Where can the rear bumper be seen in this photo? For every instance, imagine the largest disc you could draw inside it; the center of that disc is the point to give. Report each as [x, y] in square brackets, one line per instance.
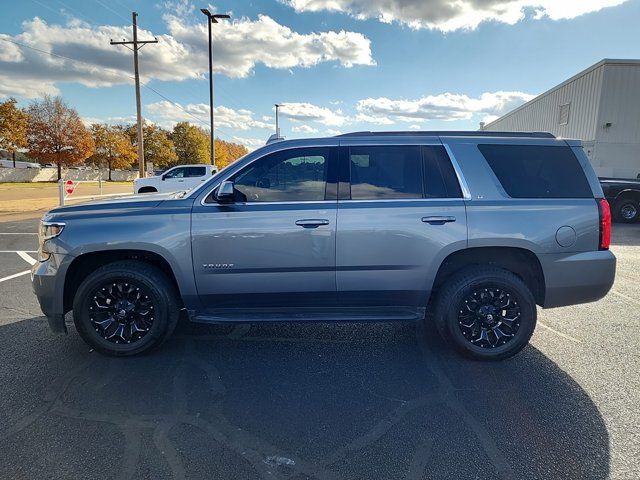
[578, 277]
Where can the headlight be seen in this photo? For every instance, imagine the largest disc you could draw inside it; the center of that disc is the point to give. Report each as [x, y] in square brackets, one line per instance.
[48, 230]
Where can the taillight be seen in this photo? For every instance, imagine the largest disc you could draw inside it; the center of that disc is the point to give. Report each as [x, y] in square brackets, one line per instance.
[605, 224]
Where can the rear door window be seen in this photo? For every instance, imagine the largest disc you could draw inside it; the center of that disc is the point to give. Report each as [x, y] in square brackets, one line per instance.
[196, 171]
[401, 172]
[537, 171]
[387, 172]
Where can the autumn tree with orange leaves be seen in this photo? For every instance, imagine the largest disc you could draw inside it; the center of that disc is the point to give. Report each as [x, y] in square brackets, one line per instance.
[56, 134]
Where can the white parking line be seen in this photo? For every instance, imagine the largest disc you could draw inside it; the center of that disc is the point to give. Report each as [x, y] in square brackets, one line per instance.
[563, 335]
[626, 297]
[15, 275]
[27, 258]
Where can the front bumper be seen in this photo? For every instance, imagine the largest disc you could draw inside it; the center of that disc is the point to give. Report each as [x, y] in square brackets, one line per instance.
[47, 280]
[577, 278]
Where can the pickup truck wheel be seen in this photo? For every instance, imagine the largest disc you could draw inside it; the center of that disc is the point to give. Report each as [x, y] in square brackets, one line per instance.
[125, 308]
[486, 313]
[627, 211]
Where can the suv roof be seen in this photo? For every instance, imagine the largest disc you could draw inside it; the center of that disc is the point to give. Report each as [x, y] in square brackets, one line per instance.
[445, 133]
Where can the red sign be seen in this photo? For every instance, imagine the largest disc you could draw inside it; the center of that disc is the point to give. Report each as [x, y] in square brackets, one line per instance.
[69, 187]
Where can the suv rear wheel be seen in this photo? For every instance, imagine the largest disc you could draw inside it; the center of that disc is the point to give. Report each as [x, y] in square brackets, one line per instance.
[486, 313]
[125, 308]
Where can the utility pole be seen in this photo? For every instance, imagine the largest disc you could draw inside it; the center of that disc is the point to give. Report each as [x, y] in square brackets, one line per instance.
[211, 18]
[137, 45]
[277, 105]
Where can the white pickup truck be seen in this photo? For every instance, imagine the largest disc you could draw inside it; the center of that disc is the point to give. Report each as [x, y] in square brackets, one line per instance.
[181, 177]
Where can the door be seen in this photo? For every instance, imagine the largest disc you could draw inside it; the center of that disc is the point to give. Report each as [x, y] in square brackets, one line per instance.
[400, 212]
[173, 180]
[274, 246]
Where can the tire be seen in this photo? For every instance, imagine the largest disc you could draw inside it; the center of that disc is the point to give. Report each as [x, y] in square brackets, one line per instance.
[626, 210]
[471, 296]
[109, 293]
[148, 190]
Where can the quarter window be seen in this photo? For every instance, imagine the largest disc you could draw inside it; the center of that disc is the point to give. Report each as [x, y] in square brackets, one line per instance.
[537, 171]
[287, 176]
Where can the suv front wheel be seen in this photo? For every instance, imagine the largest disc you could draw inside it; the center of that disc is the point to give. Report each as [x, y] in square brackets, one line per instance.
[486, 313]
[125, 308]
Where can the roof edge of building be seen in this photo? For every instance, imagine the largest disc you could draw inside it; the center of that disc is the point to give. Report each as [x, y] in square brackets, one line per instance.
[604, 61]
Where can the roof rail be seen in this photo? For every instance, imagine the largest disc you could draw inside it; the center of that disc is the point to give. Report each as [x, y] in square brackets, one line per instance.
[474, 133]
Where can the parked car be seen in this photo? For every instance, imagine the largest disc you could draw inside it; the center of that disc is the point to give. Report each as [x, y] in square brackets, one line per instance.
[624, 197]
[8, 163]
[182, 177]
[475, 228]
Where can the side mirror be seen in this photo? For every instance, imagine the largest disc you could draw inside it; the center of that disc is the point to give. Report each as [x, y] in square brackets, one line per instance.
[163, 177]
[225, 192]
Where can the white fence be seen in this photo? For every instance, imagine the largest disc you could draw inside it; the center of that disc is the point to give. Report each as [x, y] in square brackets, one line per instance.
[15, 175]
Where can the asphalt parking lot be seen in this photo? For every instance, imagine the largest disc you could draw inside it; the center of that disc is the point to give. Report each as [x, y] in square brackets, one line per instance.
[352, 401]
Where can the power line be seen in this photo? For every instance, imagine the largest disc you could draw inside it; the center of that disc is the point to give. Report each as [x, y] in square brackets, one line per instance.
[118, 72]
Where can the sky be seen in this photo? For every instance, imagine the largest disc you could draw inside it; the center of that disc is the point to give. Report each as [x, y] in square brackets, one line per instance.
[335, 65]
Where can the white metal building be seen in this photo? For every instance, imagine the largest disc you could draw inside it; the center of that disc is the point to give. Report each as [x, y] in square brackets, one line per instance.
[600, 106]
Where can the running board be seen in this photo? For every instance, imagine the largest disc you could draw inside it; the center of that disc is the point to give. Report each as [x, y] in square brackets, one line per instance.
[373, 314]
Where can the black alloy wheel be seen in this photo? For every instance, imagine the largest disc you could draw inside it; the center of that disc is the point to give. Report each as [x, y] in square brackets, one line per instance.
[126, 308]
[489, 317]
[122, 311]
[485, 312]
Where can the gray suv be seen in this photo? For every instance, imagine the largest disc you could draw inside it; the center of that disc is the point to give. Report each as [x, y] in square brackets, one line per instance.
[470, 230]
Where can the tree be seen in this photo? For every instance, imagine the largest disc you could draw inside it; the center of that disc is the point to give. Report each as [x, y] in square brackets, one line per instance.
[13, 127]
[228, 152]
[158, 147]
[55, 134]
[113, 147]
[191, 143]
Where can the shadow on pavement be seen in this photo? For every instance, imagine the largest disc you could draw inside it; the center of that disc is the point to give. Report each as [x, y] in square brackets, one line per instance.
[626, 234]
[290, 401]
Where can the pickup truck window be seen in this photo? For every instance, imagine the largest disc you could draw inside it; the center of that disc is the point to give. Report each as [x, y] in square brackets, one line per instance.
[176, 173]
[287, 176]
[196, 171]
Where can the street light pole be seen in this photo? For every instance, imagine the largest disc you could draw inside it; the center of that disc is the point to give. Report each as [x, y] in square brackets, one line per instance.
[211, 18]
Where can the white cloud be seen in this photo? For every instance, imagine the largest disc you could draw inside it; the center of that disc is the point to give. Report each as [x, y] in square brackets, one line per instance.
[250, 143]
[331, 131]
[304, 129]
[308, 112]
[446, 106]
[168, 113]
[241, 44]
[448, 15]
[414, 126]
[181, 54]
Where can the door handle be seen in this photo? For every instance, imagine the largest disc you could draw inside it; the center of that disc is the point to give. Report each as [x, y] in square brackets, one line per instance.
[438, 219]
[312, 222]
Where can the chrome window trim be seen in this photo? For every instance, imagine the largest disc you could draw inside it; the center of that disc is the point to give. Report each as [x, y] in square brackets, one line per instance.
[386, 200]
[466, 193]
